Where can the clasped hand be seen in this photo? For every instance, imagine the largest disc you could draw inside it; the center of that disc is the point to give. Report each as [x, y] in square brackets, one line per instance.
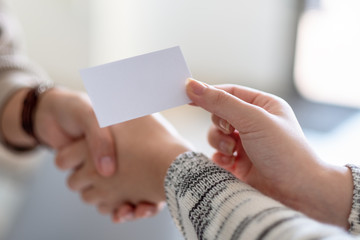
[257, 138]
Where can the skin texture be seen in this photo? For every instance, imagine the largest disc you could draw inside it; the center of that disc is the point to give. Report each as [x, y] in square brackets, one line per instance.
[61, 117]
[260, 141]
[145, 148]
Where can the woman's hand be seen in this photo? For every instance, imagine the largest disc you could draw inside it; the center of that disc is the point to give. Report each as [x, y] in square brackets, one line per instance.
[260, 141]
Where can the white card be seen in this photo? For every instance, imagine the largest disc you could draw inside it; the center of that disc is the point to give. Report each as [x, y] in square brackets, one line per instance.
[137, 86]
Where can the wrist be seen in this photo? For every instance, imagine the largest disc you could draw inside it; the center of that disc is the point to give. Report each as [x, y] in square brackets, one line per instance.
[11, 122]
[328, 195]
[174, 152]
[43, 113]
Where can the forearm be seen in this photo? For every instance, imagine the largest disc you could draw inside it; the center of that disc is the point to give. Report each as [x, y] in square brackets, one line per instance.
[325, 195]
[208, 202]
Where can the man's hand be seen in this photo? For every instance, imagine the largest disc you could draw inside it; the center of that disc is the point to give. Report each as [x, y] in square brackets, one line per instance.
[61, 116]
[145, 149]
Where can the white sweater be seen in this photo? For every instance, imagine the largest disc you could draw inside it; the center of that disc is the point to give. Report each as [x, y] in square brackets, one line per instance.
[16, 70]
[207, 202]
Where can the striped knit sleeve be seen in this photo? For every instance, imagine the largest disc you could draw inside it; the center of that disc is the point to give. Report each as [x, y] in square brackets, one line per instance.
[207, 202]
[354, 218]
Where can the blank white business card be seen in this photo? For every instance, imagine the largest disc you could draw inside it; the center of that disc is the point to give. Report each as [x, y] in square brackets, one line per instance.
[137, 86]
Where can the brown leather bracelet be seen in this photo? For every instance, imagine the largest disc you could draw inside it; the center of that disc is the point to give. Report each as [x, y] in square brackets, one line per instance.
[29, 108]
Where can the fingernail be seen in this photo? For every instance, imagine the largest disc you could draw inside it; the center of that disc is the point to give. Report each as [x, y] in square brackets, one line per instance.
[107, 165]
[226, 160]
[117, 219]
[224, 125]
[195, 86]
[148, 213]
[226, 147]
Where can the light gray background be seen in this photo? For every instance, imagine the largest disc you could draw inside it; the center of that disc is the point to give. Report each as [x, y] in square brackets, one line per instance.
[51, 211]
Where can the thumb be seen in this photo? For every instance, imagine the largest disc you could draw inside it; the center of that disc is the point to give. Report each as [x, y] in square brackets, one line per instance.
[101, 145]
[236, 111]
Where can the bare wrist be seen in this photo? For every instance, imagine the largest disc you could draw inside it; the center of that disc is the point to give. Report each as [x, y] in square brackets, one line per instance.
[327, 196]
[175, 152]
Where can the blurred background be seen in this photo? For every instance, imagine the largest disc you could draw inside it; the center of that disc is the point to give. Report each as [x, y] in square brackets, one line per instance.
[305, 51]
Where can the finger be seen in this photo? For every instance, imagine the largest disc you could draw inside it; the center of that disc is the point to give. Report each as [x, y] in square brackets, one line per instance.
[192, 104]
[241, 114]
[221, 142]
[224, 161]
[81, 179]
[104, 209]
[124, 213]
[102, 149]
[242, 167]
[222, 124]
[72, 155]
[266, 101]
[91, 196]
[145, 210]
[100, 142]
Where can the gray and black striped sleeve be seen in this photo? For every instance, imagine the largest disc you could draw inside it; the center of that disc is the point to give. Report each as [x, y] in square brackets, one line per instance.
[207, 202]
[354, 218]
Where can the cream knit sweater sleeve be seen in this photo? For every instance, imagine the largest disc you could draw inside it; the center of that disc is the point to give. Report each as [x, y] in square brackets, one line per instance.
[16, 70]
[207, 202]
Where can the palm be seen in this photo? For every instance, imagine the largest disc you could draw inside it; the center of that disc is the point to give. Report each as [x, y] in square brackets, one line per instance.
[59, 118]
[267, 166]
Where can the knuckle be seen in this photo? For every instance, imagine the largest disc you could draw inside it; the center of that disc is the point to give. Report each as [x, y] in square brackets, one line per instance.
[85, 197]
[59, 161]
[108, 197]
[284, 103]
[279, 101]
[92, 175]
[212, 136]
[71, 183]
[220, 100]
[220, 97]
[104, 210]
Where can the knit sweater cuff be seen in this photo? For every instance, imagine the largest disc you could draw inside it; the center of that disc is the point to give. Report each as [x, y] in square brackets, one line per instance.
[208, 202]
[354, 218]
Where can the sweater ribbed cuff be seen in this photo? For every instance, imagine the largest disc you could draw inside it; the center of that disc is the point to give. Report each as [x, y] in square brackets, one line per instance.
[354, 218]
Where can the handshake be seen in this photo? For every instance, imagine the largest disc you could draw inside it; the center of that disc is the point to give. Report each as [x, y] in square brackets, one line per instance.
[129, 170]
[257, 138]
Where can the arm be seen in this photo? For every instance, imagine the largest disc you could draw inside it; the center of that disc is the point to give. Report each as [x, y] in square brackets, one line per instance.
[17, 75]
[60, 116]
[208, 202]
[270, 152]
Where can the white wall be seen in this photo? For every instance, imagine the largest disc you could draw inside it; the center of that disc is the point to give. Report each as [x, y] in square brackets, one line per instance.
[239, 41]
[246, 42]
[57, 36]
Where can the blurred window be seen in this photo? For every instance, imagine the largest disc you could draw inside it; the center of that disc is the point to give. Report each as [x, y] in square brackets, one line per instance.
[327, 59]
